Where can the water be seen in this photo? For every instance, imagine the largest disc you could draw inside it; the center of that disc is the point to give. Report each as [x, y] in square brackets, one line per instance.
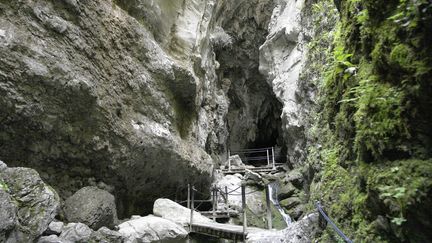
[273, 188]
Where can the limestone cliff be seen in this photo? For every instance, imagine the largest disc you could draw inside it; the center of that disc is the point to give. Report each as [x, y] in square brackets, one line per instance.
[143, 97]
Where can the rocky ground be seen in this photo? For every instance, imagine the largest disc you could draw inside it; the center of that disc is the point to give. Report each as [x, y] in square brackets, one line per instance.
[31, 211]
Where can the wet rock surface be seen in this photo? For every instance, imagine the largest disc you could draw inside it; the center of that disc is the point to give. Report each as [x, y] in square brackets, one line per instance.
[302, 231]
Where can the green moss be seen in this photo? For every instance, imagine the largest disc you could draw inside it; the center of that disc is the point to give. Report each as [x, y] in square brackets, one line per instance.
[403, 56]
[373, 102]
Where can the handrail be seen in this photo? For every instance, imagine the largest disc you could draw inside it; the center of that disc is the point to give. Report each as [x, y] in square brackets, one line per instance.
[269, 152]
[251, 150]
[333, 225]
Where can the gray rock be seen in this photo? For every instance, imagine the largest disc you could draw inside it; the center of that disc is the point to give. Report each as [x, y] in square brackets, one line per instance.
[105, 235]
[3, 165]
[151, 228]
[91, 206]
[148, 114]
[296, 178]
[297, 211]
[173, 211]
[76, 232]
[236, 162]
[286, 191]
[55, 228]
[8, 213]
[290, 202]
[302, 231]
[50, 239]
[38, 203]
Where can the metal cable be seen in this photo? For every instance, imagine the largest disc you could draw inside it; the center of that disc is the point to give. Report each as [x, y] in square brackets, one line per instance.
[338, 231]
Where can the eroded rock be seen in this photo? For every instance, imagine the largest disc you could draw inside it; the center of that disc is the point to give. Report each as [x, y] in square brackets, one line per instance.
[76, 232]
[28, 204]
[302, 231]
[175, 212]
[151, 228]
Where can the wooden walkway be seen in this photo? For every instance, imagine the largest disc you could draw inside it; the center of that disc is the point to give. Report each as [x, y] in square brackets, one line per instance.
[226, 231]
[262, 169]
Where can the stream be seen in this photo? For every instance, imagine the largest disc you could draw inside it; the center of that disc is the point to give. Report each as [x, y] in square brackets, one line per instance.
[273, 192]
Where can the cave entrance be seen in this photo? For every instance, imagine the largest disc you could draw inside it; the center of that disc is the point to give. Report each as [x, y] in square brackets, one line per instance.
[254, 113]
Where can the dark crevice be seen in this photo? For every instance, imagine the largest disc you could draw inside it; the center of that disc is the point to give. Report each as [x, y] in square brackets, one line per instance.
[254, 115]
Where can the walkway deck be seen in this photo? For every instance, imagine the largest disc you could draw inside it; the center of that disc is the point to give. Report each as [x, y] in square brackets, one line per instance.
[226, 231]
[262, 169]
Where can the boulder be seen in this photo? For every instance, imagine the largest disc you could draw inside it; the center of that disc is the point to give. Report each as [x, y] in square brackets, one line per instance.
[286, 191]
[297, 211]
[54, 228]
[302, 231]
[76, 232]
[296, 178]
[37, 207]
[50, 239]
[173, 211]
[253, 178]
[290, 202]
[151, 228]
[3, 166]
[236, 162]
[8, 213]
[91, 206]
[105, 235]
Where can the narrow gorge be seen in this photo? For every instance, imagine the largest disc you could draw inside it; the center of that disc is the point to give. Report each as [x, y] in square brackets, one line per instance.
[111, 109]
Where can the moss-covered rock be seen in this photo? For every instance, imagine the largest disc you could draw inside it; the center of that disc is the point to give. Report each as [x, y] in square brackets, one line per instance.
[373, 107]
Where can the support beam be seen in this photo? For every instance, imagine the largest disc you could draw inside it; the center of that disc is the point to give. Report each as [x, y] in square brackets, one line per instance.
[268, 157]
[214, 203]
[188, 196]
[243, 192]
[192, 208]
[229, 161]
[273, 159]
[269, 216]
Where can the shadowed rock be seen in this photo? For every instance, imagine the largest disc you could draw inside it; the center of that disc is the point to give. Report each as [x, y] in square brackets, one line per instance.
[92, 206]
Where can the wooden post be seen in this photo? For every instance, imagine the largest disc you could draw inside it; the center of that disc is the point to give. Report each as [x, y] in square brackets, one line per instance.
[214, 203]
[188, 196]
[229, 160]
[243, 192]
[192, 208]
[226, 195]
[269, 216]
[273, 159]
[268, 159]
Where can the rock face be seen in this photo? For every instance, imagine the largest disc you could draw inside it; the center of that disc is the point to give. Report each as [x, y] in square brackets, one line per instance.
[88, 91]
[28, 205]
[150, 229]
[282, 57]
[302, 231]
[8, 214]
[91, 206]
[175, 212]
[76, 232]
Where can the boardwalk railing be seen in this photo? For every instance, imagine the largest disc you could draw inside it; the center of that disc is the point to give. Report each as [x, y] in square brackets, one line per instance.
[234, 232]
[333, 225]
[255, 155]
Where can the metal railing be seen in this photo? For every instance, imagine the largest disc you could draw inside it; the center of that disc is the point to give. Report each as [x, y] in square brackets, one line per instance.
[332, 224]
[260, 154]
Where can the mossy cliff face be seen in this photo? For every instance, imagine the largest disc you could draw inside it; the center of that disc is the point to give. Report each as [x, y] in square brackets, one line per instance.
[370, 138]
